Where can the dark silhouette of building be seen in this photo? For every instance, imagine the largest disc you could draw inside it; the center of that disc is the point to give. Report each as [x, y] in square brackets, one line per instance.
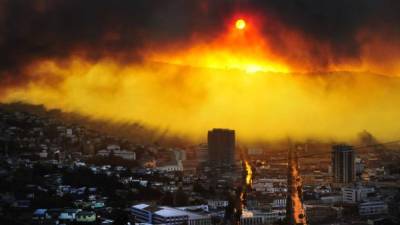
[221, 146]
[343, 164]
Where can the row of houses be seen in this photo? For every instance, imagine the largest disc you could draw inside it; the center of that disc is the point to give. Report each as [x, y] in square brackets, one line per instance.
[64, 215]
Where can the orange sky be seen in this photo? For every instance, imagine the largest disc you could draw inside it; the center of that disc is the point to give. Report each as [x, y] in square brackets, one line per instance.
[238, 80]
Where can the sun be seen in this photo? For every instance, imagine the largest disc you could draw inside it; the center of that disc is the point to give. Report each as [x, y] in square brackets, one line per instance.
[240, 24]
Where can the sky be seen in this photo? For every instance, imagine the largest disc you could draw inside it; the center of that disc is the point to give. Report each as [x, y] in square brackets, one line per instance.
[299, 68]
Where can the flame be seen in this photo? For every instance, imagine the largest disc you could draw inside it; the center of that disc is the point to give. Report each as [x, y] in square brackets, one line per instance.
[249, 173]
[263, 105]
[236, 48]
[194, 86]
[298, 208]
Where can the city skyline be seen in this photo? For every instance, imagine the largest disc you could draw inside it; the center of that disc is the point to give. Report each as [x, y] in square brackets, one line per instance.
[199, 112]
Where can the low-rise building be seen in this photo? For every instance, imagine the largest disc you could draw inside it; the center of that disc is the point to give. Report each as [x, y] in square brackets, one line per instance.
[145, 213]
[125, 154]
[39, 214]
[217, 203]
[171, 167]
[356, 193]
[255, 217]
[86, 217]
[68, 214]
[369, 208]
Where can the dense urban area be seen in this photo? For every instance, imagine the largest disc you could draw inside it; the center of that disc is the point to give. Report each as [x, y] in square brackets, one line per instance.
[55, 172]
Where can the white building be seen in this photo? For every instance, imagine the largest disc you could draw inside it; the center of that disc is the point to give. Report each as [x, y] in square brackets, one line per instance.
[369, 208]
[142, 213]
[270, 185]
[216, 204]
[113, 147]
[128, 155]
[262, 186]
[167, 215]
[68, 132]
[103, 153]
[260, 217]
[68, 214]
[356, 193]
[359, 165]
[279, 203]
[172, 167]
[248, 218]
[179, 154]
[116, 151]
[43, 154]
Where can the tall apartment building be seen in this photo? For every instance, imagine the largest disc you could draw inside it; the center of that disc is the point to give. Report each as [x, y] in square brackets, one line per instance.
[343, 168]
[221, 146]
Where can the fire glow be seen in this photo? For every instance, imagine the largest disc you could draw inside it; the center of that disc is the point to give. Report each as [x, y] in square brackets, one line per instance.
[188, 87]
[240, 47]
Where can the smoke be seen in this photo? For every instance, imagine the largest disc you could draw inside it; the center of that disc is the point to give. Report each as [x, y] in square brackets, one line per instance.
[331, 32]
[94, 29]
[341, 31]
[188, 101]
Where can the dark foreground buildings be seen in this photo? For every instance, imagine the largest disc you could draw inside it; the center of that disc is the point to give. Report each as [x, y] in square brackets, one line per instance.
[221, 146]
[343, 164]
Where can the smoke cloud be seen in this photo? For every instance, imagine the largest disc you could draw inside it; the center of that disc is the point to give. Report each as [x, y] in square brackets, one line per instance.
[333, 31]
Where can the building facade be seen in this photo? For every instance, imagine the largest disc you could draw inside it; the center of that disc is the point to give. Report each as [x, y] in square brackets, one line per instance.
[370, 208]
[144, 213]
[343, 164]
[221, 146]
[356, 193]
[202, 153]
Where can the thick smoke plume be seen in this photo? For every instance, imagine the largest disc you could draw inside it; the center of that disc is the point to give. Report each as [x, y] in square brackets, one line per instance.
[332, 32]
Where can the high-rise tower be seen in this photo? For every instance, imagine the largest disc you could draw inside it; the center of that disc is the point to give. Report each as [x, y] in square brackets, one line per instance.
[343, 164]
[221, 146]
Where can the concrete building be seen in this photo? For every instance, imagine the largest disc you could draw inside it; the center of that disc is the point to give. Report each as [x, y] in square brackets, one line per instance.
[359, 166]
[356, 193]
[279, 203]
[145, 213]
[179, 154]
[256, 217]
[370, 208]
[171, 167]
[103, 153]
[202, 153]
[116, 151]
[86, 217]
[343, 164]
[68, 214]
[221, 146]
[217, 203]
[142, 213]
[125, 154]
[39, 214]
